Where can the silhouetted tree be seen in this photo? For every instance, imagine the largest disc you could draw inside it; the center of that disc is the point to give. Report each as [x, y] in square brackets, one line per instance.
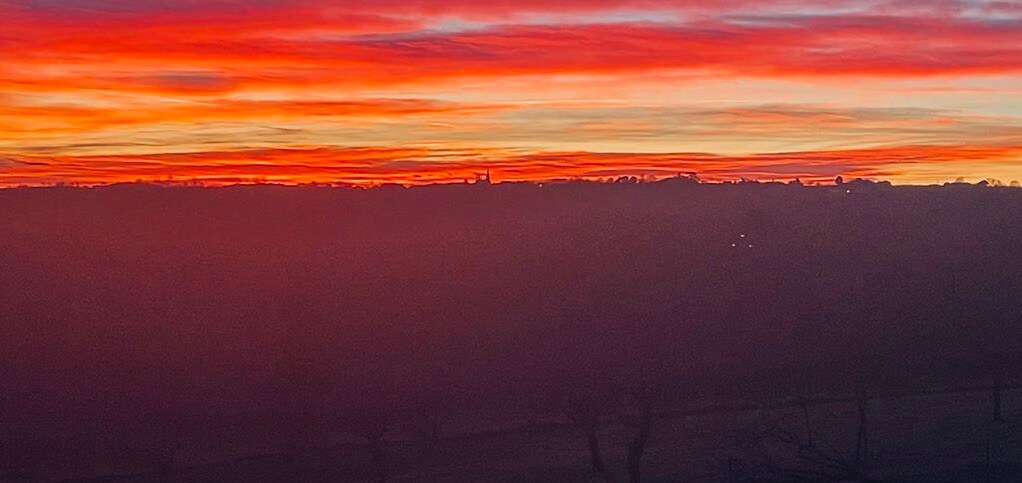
[370, 414]
[298, 383]
[425, 413]
[637, 414]
[19, 459]
[862, 431]
[373, 428]
[585, 412]
[167, 444]
[997, 388]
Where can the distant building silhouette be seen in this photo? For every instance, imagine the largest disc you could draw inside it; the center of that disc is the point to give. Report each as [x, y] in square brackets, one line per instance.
[486, 179]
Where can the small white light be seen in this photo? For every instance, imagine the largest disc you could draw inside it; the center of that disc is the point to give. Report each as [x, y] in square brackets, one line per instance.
[743, 236]
[750, 246]
[733, 245]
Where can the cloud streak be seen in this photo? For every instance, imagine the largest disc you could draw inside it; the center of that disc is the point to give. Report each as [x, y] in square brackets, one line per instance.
[368, 166]
[153, 76]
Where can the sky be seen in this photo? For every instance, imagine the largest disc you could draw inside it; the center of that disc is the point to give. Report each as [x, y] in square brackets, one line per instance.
[416, 91]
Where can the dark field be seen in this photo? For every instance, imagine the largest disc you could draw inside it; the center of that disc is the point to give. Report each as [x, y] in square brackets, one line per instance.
[933, 439]
[693, 332]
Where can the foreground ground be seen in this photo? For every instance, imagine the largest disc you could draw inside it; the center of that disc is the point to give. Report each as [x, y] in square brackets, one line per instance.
[948, 437]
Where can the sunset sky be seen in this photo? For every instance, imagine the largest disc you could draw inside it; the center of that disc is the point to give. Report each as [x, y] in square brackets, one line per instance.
[414, 91]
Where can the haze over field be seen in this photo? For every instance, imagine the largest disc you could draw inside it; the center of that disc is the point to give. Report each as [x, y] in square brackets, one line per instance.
[141, 321]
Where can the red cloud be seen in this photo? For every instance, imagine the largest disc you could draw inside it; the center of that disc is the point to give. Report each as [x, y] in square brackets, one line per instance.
[376, 165]
[307, 47]
[190, 57]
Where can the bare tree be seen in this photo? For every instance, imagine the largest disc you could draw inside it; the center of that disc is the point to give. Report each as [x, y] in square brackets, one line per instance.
[370, 417]
[585, 413]
[167, 443]
[807, 421]
[637, 414]
[862, 434]
[997, 389]
[19, 458]
[431, 416]
[373, 429]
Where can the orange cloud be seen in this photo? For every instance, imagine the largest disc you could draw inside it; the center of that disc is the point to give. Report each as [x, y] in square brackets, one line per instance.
[224, 52]
[377, 165]
[76, 74]
[63, 118]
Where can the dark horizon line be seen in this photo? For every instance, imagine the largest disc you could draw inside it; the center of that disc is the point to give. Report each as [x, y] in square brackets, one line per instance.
[690, 179]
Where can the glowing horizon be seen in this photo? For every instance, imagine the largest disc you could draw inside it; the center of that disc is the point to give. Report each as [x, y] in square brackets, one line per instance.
[296, 91]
